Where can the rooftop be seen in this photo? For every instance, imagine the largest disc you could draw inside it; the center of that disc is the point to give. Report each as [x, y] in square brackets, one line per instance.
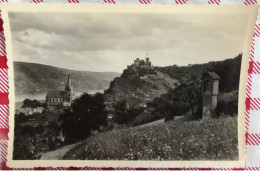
[214, 75]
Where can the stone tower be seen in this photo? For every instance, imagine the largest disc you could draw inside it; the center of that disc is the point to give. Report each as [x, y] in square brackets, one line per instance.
[210, 85]
[69, 86]
[69, 90]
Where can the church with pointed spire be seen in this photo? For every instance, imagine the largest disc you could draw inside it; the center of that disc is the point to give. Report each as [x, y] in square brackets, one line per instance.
[64, 98]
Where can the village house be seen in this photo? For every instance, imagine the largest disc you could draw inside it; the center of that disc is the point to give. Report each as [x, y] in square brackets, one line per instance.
[64, 98]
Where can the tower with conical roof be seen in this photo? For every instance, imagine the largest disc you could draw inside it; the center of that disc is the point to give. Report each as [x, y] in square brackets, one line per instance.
[69, 92]
[69, 87]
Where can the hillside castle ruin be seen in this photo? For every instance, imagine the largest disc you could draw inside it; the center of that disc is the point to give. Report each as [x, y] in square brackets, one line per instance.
[141, 67]
[141, 64]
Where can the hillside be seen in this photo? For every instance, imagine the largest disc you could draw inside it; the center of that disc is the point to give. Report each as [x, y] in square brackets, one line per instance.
[37, 78]
[216, 141]
[228, 70]
[136, 89]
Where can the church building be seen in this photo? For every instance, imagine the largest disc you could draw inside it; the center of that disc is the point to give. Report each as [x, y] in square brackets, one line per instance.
[56, 97]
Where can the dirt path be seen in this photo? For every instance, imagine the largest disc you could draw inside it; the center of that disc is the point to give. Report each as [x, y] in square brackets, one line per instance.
[149, 124]
[57, 154]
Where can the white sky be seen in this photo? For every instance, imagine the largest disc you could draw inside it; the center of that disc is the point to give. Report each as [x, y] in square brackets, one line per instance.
[110, 42]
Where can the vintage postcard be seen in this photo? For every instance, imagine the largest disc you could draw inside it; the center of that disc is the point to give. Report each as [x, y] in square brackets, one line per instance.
[127, 85]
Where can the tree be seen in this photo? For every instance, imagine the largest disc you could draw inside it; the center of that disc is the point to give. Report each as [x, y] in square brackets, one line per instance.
[85, 114]
[193, 77]
[120, 112]
[123, 114]
[35, 104]
[27, 103]
[19, 118]
[32, 104]
[184, 98]
[194, 98]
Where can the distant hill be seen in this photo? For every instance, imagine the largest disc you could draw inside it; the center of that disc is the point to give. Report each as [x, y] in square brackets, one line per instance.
[38, 78]
[228, 70]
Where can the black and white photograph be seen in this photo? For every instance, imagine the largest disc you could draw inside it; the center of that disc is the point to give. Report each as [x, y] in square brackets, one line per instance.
[127, 86]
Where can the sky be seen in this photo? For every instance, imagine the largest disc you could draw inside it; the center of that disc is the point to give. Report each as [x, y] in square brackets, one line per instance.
[104, 42]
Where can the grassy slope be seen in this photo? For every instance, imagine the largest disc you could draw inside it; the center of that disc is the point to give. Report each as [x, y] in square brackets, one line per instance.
[213, 139]
[37, 78]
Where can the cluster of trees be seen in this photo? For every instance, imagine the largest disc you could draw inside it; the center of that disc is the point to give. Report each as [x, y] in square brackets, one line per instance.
[185, 98]
[227, 104]
[133, 72]
[124, 114]
[87, 113]
[32, 104]
[30, 141]
[228, 70]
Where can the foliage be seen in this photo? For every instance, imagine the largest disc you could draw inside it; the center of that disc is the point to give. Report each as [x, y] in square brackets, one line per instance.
[133, 72]
[30, 141]
[125, 114]
[228, 70]
[227, 104]
[86, 113]
[120, 112]
[166, 141]
[184, 98]
[227, 108]
[32, 104]
[19, 118]
[143, 118]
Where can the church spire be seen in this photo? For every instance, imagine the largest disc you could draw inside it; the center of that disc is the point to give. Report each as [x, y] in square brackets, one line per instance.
[69, 85]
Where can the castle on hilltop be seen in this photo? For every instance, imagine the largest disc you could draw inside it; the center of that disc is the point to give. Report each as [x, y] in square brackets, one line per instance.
[143, 63]
[141, 67]
[140, 63]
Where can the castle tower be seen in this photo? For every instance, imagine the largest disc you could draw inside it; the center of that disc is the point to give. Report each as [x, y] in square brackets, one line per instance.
[147, 60]
[210, 85]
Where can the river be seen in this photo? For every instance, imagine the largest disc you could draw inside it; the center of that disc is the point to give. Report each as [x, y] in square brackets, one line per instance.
[42, 96]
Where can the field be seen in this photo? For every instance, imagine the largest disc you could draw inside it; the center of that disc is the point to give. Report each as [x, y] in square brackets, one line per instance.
[213, 139]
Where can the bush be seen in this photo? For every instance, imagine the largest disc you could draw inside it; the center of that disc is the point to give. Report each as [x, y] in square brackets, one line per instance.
[30, 141]
[227, 108]
[144, 118]
[184, 98]
[125, 114]
[86, 113]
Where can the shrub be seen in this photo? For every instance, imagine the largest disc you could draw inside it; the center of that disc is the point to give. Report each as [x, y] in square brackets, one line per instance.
[86, 113]
[227, 108]
[125, 114]
[186, 97]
